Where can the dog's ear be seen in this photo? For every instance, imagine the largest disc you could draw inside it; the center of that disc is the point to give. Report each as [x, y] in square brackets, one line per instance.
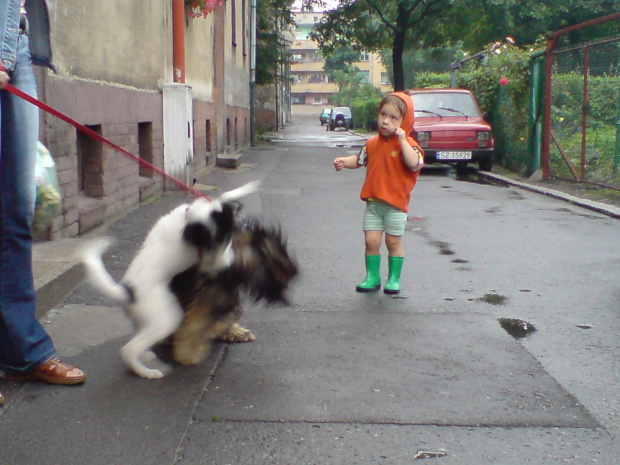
[224, 221]
[198, 235]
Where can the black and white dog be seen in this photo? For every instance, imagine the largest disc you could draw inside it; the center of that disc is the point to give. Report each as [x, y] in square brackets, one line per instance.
[192, 235]
[262, 269]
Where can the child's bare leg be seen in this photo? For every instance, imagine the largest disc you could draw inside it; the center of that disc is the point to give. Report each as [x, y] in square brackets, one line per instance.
[394, 245]
[373, 241]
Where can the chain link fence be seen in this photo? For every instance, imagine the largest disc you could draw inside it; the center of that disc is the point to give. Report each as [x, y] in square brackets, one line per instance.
[584, 113]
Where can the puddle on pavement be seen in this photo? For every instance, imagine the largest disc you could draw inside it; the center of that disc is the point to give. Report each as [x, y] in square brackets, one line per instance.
[444, 248]
[518, 329]
[493, 299]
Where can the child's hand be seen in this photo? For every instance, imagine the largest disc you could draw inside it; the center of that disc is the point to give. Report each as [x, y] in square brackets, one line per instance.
[339, 164]
[402, 135]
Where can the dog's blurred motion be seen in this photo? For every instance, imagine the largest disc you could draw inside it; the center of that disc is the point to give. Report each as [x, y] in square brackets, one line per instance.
[199, 235]
[262, 269]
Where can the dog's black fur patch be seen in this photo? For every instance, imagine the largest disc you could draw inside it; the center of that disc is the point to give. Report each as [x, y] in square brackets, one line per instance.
[198, 235]
[224, 221]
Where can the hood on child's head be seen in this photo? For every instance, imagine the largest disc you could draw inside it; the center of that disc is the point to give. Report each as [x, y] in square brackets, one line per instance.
[407, 124]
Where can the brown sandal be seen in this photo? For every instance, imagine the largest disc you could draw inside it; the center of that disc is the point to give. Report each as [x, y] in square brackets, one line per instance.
[54, 371]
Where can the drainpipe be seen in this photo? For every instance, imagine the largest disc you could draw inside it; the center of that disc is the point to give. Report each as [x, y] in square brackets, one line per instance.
[252, 71]
[177, 107]
[178, 41]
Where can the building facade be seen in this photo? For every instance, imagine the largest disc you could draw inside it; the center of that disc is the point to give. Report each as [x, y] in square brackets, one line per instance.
[310, 84]
[115, 75]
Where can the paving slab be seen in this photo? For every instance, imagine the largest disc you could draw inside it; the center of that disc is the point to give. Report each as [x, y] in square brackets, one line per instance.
[407, 369]
[115, 418]
[251, 443]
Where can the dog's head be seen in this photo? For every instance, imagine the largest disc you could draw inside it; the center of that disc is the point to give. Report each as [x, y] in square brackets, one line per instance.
[209, 227]
[210, 223]
[262, 262]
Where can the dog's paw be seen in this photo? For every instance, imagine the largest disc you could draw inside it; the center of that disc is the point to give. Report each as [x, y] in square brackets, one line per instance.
[151, 374]
[236, 333]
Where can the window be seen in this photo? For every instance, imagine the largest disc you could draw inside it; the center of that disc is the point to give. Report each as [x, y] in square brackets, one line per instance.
[90, 163]
[145, 148]
[318, 99]
[317, 78]
[243, 26]
[385, 79]
[364, 77]
[364, 57]
[208, 143]
[233, 20]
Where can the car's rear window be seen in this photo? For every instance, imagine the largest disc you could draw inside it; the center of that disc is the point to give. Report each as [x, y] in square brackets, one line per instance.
[343, 110]
[444, 104]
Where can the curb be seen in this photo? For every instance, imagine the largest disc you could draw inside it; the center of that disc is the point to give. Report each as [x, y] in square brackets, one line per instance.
[598, 207]
[56, 272]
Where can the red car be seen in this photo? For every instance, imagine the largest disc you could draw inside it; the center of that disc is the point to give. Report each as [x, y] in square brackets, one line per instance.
[449, 126]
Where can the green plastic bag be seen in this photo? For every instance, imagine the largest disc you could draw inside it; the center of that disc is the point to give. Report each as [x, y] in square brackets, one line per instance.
[48, 200]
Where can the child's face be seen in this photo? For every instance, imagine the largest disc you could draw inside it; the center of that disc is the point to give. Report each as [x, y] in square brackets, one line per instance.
[389, 120]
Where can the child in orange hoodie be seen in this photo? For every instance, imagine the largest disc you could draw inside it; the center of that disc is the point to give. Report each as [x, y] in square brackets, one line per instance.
[393, 161]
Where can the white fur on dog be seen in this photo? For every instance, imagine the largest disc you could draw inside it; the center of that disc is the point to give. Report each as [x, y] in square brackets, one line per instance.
[153, 307]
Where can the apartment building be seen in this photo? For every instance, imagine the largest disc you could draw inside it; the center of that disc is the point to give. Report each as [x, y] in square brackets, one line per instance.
[310, 83]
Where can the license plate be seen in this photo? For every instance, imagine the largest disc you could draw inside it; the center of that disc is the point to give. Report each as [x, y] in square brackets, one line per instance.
[454, 155]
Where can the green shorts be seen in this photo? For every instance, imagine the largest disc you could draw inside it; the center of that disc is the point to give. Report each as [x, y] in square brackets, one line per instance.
[380, 216]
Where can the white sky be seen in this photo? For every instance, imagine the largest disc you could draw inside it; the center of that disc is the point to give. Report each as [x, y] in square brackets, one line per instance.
[329, 4]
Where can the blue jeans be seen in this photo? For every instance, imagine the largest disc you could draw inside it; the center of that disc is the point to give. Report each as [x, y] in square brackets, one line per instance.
[24, 343]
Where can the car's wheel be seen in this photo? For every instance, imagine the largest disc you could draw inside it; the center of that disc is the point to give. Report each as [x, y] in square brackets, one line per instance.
[486, 164]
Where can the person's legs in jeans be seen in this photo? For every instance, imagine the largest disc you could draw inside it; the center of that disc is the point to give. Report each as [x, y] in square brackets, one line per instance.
[24, 343]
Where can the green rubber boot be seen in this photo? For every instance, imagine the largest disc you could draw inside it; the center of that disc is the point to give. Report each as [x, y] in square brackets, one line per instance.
[395, 265]
[373, 278]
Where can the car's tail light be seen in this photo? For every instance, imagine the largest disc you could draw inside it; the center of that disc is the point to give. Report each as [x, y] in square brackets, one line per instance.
[422, 136]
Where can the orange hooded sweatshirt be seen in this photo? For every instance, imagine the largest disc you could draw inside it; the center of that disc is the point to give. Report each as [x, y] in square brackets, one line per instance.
[388, 178]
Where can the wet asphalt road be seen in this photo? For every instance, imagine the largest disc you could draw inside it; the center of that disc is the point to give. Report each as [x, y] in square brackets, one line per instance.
[346, 378]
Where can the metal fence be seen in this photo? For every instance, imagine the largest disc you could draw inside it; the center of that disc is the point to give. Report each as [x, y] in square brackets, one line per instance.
[581, 130]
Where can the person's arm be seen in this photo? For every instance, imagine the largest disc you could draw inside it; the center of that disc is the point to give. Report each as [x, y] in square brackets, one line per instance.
[411, 155]
[349, 162]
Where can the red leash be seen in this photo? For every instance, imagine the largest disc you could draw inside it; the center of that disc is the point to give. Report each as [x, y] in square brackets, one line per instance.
[98, 137]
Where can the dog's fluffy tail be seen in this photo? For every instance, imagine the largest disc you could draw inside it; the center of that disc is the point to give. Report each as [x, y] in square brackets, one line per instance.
[91, 256]
[240, 192]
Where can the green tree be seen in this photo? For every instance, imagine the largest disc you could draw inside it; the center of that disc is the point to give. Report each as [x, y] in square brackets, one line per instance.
[488, 21]
[340, 67]
[273, 18]
[401, 25]
[367, 25]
